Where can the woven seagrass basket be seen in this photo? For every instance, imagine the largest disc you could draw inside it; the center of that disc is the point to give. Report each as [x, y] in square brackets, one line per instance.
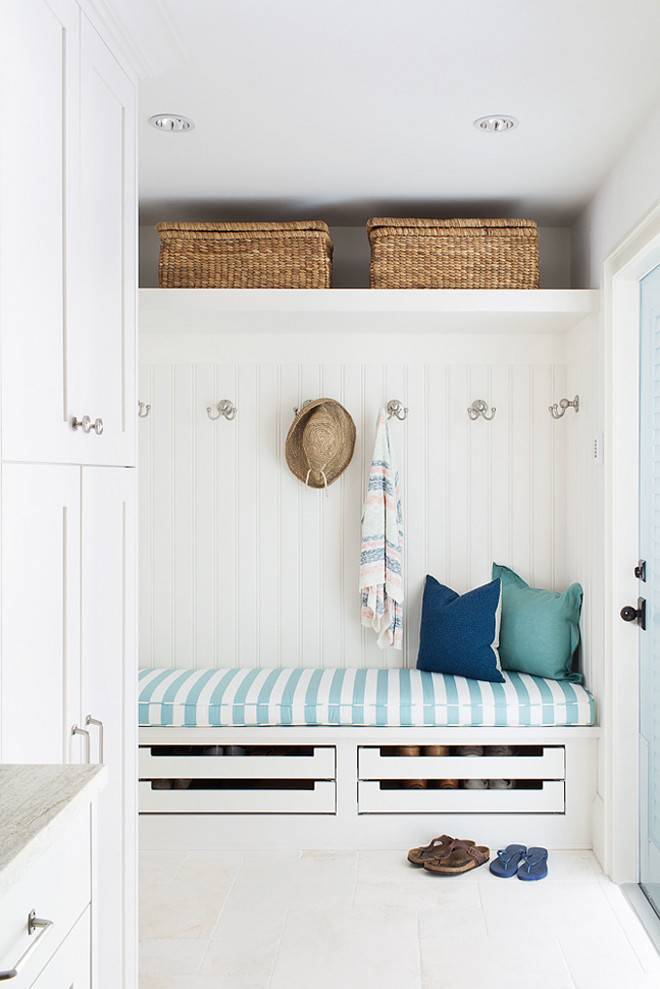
[245, 255]
[453, 253]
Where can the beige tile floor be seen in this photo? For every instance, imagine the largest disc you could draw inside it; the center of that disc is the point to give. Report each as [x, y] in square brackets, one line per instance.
[367, 919]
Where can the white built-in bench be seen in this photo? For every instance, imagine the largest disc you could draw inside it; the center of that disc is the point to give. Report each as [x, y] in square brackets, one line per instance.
[311, 756]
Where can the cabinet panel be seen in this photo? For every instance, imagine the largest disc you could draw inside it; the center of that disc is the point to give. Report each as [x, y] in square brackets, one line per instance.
[58, 888]
[67, 239]
[40, 612]
[70, 966]
[109, 684]
[38, 163]
[103, 372]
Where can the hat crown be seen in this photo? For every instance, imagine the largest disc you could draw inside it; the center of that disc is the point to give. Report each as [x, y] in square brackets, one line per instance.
[321, 438]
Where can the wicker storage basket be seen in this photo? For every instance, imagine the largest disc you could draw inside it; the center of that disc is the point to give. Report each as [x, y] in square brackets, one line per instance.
[245, 255]
[453, 253]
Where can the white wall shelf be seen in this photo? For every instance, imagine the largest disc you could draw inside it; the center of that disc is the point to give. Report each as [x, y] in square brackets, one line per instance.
[442, 310]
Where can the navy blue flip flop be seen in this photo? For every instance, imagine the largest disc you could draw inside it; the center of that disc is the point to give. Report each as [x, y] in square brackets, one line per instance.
[507, 860]
[533, 865]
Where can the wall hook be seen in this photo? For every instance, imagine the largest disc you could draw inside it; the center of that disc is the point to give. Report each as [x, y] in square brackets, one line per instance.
[304, 405]
[396, 408]
[480, 408]
[563, 405]
[143, 410]
[224, 408]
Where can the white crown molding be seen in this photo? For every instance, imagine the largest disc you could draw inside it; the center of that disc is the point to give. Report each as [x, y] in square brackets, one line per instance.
[141, 33]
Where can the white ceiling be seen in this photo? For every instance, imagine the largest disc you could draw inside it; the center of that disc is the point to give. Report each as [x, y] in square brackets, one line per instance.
[346, 109]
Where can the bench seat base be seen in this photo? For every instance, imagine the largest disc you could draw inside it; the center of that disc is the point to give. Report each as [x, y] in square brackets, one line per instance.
[349, 787]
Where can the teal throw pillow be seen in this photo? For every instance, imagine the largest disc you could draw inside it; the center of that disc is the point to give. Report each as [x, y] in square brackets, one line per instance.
[539, 632]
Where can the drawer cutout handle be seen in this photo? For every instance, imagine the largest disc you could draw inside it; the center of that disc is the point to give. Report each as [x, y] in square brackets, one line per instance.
[33, 923]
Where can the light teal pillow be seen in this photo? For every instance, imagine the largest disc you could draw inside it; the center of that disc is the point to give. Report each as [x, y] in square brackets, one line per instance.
[539, 633]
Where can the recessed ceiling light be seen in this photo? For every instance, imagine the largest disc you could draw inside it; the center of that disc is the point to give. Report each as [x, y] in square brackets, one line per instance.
[171, 122]
[496, 123]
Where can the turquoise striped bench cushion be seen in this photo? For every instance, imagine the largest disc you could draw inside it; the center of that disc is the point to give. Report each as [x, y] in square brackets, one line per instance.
[226, 698]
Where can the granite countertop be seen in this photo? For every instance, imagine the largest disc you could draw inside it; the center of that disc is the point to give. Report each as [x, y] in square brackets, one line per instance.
[36, 802]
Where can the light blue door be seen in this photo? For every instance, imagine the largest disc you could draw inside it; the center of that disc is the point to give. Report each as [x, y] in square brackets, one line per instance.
[649, 589]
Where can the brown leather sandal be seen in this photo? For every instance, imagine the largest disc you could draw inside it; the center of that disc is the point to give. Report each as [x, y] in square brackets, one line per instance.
[459, 857]
[436, 849]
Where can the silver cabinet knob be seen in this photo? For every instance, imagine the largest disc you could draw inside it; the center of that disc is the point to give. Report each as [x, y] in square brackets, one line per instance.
[87, 425]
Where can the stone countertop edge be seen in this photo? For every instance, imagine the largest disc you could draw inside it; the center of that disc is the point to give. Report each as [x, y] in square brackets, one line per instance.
[36, 803]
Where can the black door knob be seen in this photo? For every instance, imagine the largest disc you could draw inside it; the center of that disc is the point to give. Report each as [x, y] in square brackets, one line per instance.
[638, 614]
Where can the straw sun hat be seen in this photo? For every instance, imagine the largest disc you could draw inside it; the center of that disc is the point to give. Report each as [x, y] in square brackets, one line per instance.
[320, 443]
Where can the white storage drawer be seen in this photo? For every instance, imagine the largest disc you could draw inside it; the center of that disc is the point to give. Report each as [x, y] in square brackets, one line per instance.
[548, 799]
[548, 764]
[70, 968]
[319, 765]
[319, 798]
[57, 888]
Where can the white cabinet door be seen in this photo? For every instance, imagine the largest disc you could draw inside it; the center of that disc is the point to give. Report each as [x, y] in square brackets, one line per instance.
[39, 68]
[39, 695]
[109, 685]
[67, 239]
[69, 968]
[102, 345]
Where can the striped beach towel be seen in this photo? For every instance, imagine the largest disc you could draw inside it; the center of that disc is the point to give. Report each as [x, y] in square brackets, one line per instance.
[381, 556]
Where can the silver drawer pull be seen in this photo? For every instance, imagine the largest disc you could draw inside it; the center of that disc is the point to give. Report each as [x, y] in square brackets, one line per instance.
[89, 720]
[88, 746]
[98, 426]
[33, 923]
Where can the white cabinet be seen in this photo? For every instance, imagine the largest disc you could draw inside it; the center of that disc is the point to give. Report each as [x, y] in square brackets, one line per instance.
[108, 691]
[70, 967]
[57, 886]
[67, 349]
[67, 239]
[68, 658]
[39, 698]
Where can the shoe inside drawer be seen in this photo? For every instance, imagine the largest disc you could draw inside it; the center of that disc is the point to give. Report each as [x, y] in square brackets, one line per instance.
[395, 797]
[238, 796]
[526, 762]
[190, 762]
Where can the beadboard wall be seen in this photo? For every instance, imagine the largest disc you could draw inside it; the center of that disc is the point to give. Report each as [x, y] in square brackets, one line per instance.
[240, 564]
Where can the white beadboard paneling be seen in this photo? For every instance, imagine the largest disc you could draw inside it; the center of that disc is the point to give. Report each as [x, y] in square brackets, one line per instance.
[163, 510]
[244, 565]
[267, 511]
[353, 496]
[234, 573]
[205, 525]
[479, 477]
[184, 568]
[289, 531]
[312, 556]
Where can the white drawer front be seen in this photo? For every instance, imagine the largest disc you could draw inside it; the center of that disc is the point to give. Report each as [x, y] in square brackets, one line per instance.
[57, 888]
[549, 799]
[320, 765]
[319, 800]
[549, 765]
[70, 967]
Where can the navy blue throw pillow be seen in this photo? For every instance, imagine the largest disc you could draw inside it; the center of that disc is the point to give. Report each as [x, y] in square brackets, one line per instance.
[460, 634]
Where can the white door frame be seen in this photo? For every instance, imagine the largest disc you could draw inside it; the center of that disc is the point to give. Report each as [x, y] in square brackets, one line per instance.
[637, 254]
